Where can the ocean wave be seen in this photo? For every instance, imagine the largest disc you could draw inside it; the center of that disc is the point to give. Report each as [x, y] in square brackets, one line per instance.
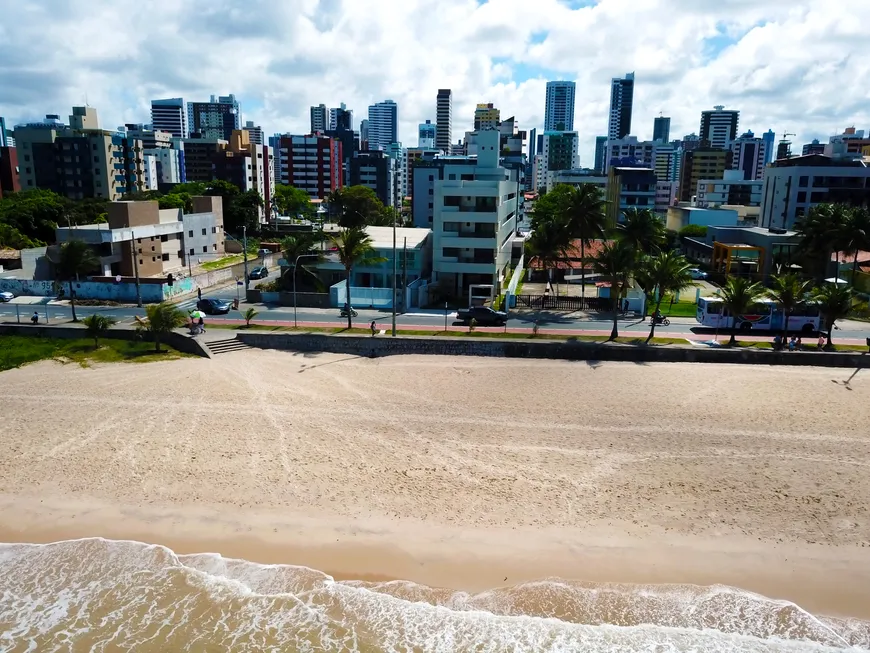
[100, 595]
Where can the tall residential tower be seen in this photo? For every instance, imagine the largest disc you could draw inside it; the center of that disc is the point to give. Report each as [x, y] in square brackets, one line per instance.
[444, 119]
[719, 126]
[621, 99]
[559, 110]
[169, 116]
[383, 126]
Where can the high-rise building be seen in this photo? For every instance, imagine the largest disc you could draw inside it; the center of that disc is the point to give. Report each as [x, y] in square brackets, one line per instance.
[426, 134]
[703, 163]
[444, 119]
[312, 163]
[600, 154]
[255, 133]
[621, 100]
[340, 118]
[248, 166]
[559, 109]
[533, 143]
[319, 119]
[719, 126]
[662, 129]
[770, 139]
[560, 152]
[150, 138]
[383, 124]
[3, 137]
[217, 118]
[375, 170]
[749, 156]
[813, 148]
[486, 116]
[169, 116]
[364, 134]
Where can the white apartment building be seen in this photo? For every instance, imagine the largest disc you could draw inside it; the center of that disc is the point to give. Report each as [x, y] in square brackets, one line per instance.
[575, 178]
[719, 126]
[168, 162]
[474, 221]
[630, 148]
[733, 189]
[383, 125]
[169, 115]
[400, 155]
[666, 194]
[749, 156]
[559, 108]
[150, 169]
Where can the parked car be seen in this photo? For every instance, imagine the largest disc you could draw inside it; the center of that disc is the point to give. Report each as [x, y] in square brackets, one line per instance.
[697, 275]
[259, 273]
[262, 253]
[214, 306]
[6, 296]
[484, 316]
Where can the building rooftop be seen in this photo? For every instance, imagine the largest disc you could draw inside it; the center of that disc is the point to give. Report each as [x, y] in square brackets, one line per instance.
[382, 237]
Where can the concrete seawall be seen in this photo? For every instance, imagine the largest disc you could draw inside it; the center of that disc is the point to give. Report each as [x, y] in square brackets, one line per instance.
[576, 350]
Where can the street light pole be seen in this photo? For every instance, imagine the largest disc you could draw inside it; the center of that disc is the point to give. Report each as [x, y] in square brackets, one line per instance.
[245, 257]
[395, 270]
[135, 268]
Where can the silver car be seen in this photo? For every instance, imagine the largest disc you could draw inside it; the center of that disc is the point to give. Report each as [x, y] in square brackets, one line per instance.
[6, 296]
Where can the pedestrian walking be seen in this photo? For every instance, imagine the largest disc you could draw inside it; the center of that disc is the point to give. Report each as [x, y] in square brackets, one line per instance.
[201, 325]
[34, 318]
[821, 343]
[199, 294]
[374, 327]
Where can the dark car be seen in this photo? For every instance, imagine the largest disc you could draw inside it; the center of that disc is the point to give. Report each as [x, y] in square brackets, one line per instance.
[214, 306]
[483, 315]
[259, 273]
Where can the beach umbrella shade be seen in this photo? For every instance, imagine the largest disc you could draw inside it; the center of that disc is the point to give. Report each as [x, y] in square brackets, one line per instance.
[197, 314]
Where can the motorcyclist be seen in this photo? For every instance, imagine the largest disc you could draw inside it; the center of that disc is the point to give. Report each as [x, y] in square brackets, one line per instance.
[657, 316]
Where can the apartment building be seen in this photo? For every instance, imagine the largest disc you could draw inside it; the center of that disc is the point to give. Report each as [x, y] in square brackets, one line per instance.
[161, 240]
[375, 170]
[444, 119]
[215, 119]
[732, 189]
[199, 156]
[248, 166]
[629, 188]
[702, 163]
[79, 160]
[475, 204]
[486, 116]
[9, 181]
[719, 126]
[169, 115]
[559, 106]
[749, 156]
[312, 163]
[576, 178]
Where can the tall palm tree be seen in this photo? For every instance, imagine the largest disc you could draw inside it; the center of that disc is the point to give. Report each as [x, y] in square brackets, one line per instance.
[788, 291]
[642, 230]
[76, 258]
[584, 207]
[97, 324]
[615, 262]
[668, 273]
[354, 247]
[823, 232]
[835, 302]
[857, 234]
[738, 294]
[548, 244]
[159, 320]
[302, 244]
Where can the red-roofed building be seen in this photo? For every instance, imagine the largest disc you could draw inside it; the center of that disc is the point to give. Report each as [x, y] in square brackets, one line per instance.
[571, 265]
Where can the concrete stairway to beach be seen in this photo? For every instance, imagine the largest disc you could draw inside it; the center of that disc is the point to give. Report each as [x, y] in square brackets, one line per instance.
[226, 345]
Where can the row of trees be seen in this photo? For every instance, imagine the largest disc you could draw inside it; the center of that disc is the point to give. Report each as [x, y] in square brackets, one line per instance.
[827, 230]
[28, 218]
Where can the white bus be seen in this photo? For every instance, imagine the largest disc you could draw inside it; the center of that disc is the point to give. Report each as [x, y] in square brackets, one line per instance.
[762, 316]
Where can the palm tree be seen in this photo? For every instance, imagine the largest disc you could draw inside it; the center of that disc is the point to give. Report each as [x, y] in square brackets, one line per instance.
[823, 231]
[835, 302]
[615, 262]
[249, 315]
[97, 324]
[642, 230]
[788, 291]
[584, 208]
[354, 247]
[668, 273]
[548, 244]
[160, 319]
[738, 294]
[857, 234]
[76, 258]
[302, 244]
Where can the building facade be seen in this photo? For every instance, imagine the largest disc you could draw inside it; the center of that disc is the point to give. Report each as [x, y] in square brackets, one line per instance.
[150, 138]
[475, 215]
[340, 118]
[255, 133]
[703, 163]
[621, 101]
[486, 116]
[749, 156]
[576, 178]
[169, 115]
[600, 164]
[9, 180]
[793, 186]
[629, 188]
[629, 151]
[559, 107]
[383, 125]
[169, 164]
[662, 129]
[719, 126]
[769, 138]
[426, 134]
[199, 156]
[560, 151]
[444, 119]
[319, 119]
[376, 170]
[813, 148]
[311, 163]
[732, 189]
[217, 118]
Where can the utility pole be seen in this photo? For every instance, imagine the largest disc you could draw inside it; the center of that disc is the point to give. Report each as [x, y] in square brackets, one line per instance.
[395, 271]
[245, 257]
[135, 268]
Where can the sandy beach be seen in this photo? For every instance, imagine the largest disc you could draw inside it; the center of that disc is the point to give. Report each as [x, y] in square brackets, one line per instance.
[457, 472]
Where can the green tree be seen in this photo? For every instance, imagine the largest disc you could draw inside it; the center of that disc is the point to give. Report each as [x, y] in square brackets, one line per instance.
[642, 230]
[302, 243]
[243, 210]
[249, 315]
[356, 207]
[669, 273]
[788, 290]
[221, 188]
[615, 263]
[97, 324]
[823, 232]
[694, 231]
[835, 302]
[548, 245]
[159, 320]
[181, 201]
[35, 213]
[738, 294]
[354, 247]
[194, 188]
[584, 208]
[11, 238]
[292, 201]
[856, 234]
[76, 258]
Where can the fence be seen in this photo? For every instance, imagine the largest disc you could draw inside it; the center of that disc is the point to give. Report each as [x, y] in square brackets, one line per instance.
[361, 297]
[564, 303]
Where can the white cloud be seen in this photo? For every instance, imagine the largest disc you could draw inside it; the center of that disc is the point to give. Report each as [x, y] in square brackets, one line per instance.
[795, 65]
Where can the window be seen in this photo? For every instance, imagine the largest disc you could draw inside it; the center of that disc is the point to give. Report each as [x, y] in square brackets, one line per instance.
[804, 182]
[203, 232]
[190, 235]
[214, 247]
[26, 157]
[452, 176]
[96, 171]
[214, 230]
[191, 251]
[95, 147]
[30, 182]
[152, 248]
[450, 252]
[430, 205]
[141, 262]
[165, 257]
[164, 238]
[802, 197]
[139, 241]
[431, 191]
[98, 184]
[204, 249]
[27, 170]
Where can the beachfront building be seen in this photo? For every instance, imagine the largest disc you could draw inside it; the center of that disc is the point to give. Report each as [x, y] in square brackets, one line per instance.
[629, 188]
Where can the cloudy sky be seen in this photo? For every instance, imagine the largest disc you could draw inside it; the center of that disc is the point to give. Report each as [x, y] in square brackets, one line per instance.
[789, 65]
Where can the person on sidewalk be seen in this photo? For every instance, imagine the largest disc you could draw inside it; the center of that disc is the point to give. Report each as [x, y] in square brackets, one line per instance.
[201, 325]
[34, 318]
[374, 326]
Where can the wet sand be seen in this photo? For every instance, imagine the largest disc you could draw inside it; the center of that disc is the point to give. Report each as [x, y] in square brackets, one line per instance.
[456, 472]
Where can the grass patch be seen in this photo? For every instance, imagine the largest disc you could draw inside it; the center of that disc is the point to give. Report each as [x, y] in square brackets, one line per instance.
[16, 351]
[678, 309]
[224, 262]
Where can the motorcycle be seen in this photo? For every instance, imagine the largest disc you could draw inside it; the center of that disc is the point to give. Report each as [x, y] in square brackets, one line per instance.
[344, 311]
[661, 320]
